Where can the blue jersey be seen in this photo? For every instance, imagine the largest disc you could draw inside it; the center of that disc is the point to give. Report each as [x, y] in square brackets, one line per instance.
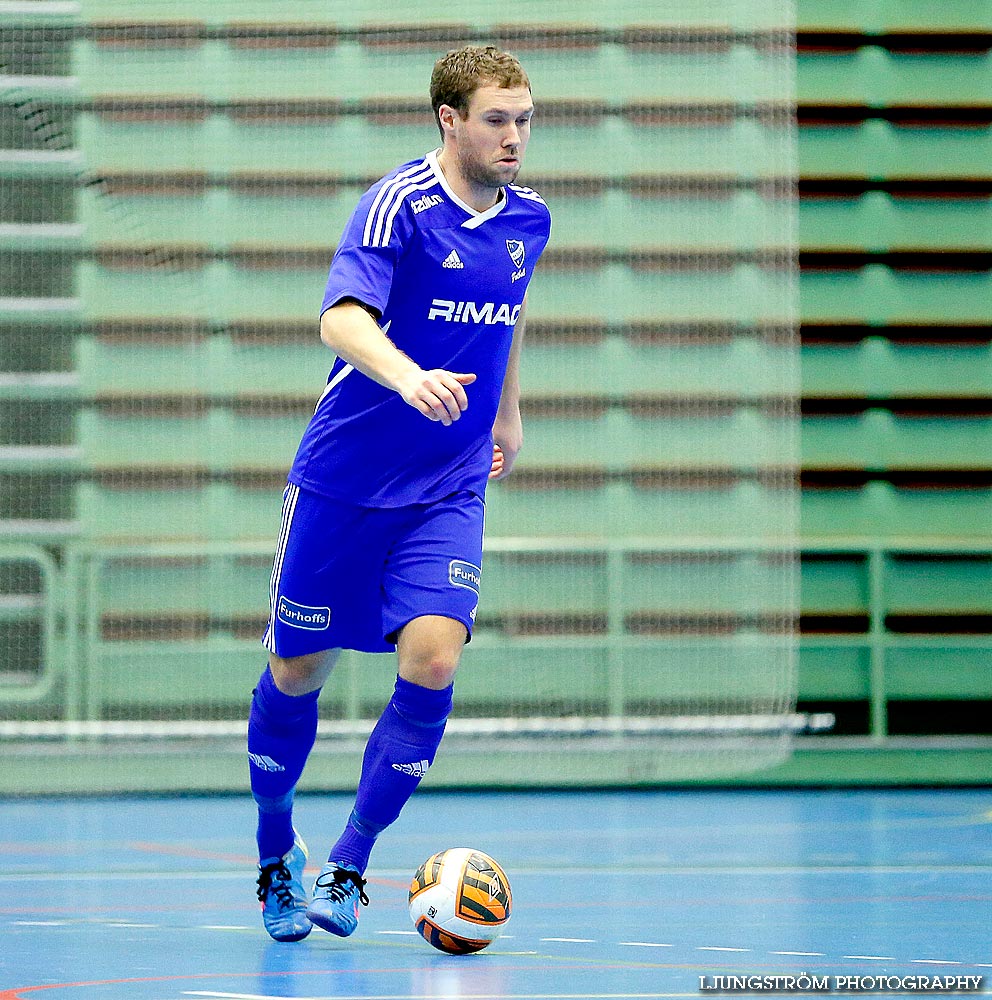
[448, 283]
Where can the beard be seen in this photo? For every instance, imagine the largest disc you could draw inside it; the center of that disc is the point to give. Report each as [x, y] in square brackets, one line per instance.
[490, 175]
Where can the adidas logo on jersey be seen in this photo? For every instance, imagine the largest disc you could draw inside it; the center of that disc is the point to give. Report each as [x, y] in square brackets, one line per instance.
[417, 770]
[452, 260]
[264, 763]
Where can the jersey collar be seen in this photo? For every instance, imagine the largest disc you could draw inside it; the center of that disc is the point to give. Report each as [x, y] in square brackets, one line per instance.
[475, 218]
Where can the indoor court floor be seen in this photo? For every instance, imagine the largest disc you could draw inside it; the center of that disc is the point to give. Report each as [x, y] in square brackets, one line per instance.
[615, 894]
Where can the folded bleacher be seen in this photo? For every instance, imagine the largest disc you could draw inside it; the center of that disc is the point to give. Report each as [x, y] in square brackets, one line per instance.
[166, 227]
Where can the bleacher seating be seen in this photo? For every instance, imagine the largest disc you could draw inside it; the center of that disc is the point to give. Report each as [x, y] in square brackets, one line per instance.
[163, 347]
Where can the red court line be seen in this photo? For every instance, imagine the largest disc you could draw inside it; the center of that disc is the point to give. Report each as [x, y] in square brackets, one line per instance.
[141, 907]
[175, 851]
[17, 992]
[391, 883]
[171, 850]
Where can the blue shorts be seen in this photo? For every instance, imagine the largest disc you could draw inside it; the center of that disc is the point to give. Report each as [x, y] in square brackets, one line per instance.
[351, 577]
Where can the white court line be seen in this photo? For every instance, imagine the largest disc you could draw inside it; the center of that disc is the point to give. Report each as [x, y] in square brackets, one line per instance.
[186, 875]
[560, 940]
[433, 996]
[238, 873]
[237, 996]
[563, 940]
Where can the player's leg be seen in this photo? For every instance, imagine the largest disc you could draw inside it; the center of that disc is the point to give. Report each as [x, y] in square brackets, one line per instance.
[282, 727]
[431, 585]
[404, 741]
[317, 599]
[399, 751]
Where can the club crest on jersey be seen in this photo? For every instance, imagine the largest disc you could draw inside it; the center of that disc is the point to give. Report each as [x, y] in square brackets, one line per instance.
[515, 248]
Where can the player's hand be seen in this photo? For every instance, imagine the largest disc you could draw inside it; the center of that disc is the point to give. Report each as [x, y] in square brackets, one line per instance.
[497, 470]
[438, 394]
[508, 439]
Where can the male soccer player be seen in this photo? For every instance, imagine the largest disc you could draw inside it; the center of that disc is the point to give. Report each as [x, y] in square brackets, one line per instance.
[381, 538]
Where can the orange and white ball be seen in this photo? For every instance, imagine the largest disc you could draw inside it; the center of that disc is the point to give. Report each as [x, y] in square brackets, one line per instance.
[460, 900]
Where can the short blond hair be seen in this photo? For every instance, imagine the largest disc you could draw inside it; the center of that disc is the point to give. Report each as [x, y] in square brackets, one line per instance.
[460, 73]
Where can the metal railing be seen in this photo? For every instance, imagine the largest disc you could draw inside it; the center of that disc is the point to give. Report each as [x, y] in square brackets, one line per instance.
[71, 646]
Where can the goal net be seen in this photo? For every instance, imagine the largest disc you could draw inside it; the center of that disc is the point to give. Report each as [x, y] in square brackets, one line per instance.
[174, 177]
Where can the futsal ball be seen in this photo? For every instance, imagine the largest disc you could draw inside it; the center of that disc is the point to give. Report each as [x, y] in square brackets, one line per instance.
[460, 900]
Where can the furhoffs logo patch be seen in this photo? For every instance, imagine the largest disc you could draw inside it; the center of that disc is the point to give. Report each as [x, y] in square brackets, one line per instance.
[302, 615]
[464, 574]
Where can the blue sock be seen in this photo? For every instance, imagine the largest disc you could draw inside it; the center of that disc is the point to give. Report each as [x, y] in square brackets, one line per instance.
[401, 748]
[281, 733]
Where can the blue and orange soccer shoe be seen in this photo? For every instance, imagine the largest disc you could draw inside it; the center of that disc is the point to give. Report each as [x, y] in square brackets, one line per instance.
[336, 895]
[281, 893]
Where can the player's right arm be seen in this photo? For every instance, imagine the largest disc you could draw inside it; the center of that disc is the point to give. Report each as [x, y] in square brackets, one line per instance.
[357, 292]
[352, 333]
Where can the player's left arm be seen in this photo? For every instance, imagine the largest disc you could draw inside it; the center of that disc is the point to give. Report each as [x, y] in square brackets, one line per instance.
[508, 429]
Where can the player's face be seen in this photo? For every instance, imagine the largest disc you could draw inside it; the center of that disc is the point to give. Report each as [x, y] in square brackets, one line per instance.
[492, 137]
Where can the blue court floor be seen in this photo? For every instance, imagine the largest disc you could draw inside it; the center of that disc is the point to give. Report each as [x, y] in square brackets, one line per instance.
[615, 895]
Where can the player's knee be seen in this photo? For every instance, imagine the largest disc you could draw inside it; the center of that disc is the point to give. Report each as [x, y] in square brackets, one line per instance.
[430, 649]
[435, 672]
[297, 675]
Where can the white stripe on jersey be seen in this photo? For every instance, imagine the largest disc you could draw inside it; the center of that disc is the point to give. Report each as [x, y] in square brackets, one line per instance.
[347, 370]
[380, 197]
[388, 210]
[398, 202]
[341, 376]
[529, 193]
[392, 191]
[290, 497]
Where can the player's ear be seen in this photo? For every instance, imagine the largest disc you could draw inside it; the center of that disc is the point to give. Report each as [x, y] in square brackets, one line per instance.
[446, 115]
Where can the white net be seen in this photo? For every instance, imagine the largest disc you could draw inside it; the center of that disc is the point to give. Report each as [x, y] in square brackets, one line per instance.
[173, 179]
